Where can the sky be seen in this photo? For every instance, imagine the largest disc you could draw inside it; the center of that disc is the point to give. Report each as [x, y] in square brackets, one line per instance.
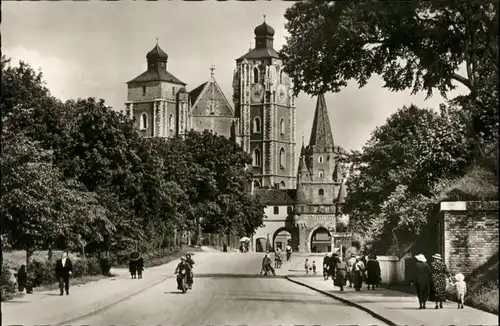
[91, 49]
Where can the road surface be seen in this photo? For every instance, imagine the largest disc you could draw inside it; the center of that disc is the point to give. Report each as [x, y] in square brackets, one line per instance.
[229, 291]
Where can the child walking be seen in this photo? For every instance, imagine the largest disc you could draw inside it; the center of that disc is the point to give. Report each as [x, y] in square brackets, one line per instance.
[461, 288]
[306, 266]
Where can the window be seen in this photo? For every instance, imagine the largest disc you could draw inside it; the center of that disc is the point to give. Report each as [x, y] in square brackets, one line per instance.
[255, 75]
[320, 159]
[282, 185]
[256, 184]
[321, 192]
[256, 157]
[173, 91]
[143, 90]
[321, 174]
[281, 77]
[289, 210]
[256, 126]
[282, 158]
[170, 121]
[282, 126]
[143, 122]
[276, 210]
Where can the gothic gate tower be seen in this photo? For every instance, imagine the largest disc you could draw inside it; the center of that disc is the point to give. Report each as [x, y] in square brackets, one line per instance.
[262, 95]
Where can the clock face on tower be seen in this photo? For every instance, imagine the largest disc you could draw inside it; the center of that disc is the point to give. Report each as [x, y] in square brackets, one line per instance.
[282, 94]
[256, 93]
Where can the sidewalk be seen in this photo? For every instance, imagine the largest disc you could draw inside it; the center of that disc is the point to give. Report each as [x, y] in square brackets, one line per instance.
[48, 308]
[398, 308]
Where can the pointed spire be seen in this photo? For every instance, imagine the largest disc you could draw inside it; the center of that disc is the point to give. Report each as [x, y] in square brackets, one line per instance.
[342, 194]
[321, 132]
[303, 149]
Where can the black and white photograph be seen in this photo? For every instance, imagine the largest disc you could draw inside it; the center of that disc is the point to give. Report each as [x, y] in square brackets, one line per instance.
[249, 163]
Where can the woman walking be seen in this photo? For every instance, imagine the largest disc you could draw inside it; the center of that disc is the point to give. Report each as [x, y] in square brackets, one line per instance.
[358, 271]
[340, 273]
[439, 274]
[372, 271]
[422, 280]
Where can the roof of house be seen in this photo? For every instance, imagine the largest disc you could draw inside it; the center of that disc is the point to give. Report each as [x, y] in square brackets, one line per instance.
[156, 75]
[276, 197]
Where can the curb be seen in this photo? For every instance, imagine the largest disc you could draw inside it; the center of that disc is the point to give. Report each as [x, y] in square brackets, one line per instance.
[109, 305]
[349, 302]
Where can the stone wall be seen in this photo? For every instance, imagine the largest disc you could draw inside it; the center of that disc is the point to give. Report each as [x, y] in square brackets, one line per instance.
[470, 234]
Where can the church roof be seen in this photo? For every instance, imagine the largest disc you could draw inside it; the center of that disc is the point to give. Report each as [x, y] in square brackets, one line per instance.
[264, 30]
[277, 197]
[321, 132]
[259, 53]
[197, 94]
[156, 75]
[157, 54]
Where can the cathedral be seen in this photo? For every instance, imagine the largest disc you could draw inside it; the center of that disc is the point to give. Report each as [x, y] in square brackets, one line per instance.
[263, 123]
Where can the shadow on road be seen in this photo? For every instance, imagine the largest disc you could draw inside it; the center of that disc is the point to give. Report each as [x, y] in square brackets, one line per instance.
[174, 292]
[285, 300]
[221, 275]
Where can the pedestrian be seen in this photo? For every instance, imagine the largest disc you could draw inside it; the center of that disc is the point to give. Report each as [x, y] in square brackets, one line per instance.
[332, 265]
[340, 273]
[460, 289]
[23, 281]
[140, 267]
[326, 267]
[422, 280]
[64, 269]
[358, 271]
[351, 260]
[314, 267]
[439, 276]
[306, 266]
[372, 271]
[133, 264]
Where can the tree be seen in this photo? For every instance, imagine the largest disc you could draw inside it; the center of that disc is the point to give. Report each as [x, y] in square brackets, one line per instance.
[418, 45]
[414, 149]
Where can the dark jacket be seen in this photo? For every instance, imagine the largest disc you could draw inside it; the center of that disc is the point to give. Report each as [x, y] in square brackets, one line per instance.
[190, 261]
[372, 271]
[183, 266]
[326, 262]
[421, 273]
[64, 271]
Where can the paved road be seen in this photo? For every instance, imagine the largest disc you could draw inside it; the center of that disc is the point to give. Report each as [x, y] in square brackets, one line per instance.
[230, 291]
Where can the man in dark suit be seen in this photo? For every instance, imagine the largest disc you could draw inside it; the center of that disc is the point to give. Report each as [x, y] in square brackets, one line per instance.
[64, 269]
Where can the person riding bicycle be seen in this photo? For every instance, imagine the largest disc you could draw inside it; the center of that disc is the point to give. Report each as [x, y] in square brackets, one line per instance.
[190, 261]
[182, 266]
[267, 264]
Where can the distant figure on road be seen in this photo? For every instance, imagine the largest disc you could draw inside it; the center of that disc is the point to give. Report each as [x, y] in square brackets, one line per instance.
[190, 276]
[373, 272]
[351, 260]
[314, 267]
[277, 259]
[326, 267]
[307, 267]
[23, 281]
[132, 268]
[357, 273]
[64, 269]
[267, 265]
[140, 267]
[332, 266]
[439, 275]
[183, 265]
[288, 252]
[422, 280]
[135, 264]
[461, 289]
[340, 273]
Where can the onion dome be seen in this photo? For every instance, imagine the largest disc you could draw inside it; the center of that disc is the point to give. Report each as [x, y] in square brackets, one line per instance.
[264, 30]
[157, 54]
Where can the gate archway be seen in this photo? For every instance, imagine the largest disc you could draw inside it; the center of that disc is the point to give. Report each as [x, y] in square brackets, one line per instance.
[321, 240]
[260, 244]
[281, 238]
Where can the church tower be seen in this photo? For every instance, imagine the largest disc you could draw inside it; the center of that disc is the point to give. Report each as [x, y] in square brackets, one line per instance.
[262, 95]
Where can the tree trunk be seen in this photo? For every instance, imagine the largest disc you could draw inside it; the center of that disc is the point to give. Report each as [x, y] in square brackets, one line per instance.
[29, 252]
[50, 251]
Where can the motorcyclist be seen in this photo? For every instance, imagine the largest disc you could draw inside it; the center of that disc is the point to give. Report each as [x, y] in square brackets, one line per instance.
[183, 265]
[267, 264]
[190, 278]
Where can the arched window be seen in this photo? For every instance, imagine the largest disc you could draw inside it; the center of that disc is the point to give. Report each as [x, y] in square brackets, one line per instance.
[282, 158]
[320, 159]
[173, 91]
[281, 77]
[170, 121]
[321, 174]
[256, 126]
[143, 90]
[256, 157]
[143, 122]
[321, 192]
[282, 126]
[255, 75]
[282, 185]
[256, 184]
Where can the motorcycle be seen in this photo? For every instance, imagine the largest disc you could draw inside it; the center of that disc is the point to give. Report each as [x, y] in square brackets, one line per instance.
[182, 281]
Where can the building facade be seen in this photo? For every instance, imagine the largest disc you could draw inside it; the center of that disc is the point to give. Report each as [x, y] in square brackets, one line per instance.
[304, 203]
